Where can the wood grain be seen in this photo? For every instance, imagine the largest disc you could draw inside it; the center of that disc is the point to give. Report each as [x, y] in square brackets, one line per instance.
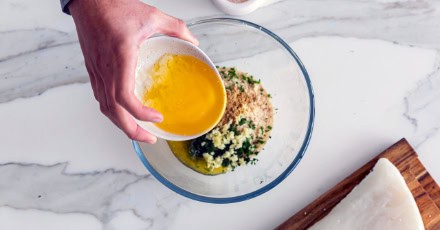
[423, 187]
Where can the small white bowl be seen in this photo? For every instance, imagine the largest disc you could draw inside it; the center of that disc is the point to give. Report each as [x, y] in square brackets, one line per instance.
[152, 50]
[239, 8]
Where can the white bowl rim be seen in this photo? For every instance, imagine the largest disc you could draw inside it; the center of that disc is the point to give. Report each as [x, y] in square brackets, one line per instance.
[176, 137]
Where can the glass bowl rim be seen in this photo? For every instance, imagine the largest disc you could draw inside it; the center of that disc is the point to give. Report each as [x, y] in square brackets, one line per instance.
[287, 171]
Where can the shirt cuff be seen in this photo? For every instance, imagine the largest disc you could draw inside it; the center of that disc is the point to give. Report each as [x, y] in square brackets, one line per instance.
[64, 4]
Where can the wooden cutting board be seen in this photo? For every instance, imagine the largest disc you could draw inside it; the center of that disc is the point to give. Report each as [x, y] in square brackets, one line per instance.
[423, 187]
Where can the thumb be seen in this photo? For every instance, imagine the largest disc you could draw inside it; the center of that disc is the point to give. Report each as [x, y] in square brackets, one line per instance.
[175, 27]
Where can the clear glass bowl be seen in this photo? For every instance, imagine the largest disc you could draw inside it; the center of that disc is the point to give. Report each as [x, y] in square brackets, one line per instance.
[256, 50]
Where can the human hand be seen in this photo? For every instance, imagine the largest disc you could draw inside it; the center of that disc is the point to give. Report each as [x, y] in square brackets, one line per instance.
[110, 32]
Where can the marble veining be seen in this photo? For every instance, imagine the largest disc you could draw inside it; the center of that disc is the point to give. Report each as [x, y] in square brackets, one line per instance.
[33, 60]
[422, 106]
[105, 194]
[405, 22]
[38, 219]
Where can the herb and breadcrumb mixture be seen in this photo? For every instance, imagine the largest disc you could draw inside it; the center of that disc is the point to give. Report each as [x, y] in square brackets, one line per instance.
[242, 132]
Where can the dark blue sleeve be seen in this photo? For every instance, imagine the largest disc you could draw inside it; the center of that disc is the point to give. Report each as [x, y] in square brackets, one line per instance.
[64, 7]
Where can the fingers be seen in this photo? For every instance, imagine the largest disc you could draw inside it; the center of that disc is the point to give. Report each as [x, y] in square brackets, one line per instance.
[175, 27]
[124, 88]
[92, 80]
[114, 91]
[135, 107]
[126, 123]
[141, 135]
[101, 96]
[121, 118]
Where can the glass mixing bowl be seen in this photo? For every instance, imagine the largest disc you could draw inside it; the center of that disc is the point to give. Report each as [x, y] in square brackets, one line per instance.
[253, 49]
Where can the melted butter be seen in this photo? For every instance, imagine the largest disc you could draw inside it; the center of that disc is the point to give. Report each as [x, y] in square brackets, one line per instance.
[181, 150]
[187, 92]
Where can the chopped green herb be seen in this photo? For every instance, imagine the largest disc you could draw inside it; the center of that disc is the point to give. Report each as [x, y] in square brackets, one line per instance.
[242, 121]
[232, 73]
[253, 81]
[241, 88]
[261, 129]
[251, 125]
[233, 128]
[226, 162]
[250, 79]
[270, 96]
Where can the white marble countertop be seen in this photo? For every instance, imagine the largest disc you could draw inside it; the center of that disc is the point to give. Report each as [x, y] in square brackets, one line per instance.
[375, 69]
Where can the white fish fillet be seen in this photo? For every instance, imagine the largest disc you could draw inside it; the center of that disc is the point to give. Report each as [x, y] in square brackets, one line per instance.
[382, 201]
